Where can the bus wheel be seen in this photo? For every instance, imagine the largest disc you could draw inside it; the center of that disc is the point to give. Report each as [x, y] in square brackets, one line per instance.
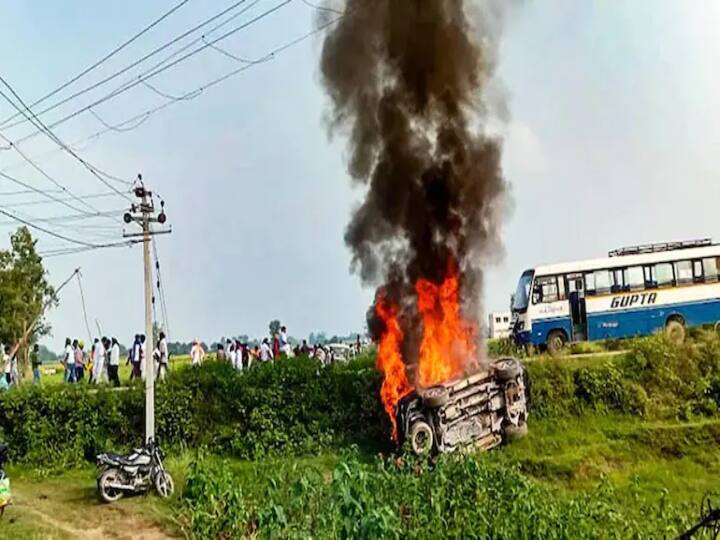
[675, 331]
[555, 342]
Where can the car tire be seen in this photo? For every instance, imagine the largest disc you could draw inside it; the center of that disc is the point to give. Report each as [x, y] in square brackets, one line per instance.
[556, 342]
[507, 369]
[675, 332]
[435, 396]
[422, 438]
[514, 433]
[109, 494]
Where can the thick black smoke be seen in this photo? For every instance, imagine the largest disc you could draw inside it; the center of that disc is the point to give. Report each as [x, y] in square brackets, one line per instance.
[408, 83]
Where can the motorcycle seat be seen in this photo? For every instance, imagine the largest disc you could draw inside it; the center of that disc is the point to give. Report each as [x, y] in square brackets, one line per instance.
[136, 458]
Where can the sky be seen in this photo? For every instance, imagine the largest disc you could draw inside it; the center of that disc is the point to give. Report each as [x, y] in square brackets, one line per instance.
[610, 140]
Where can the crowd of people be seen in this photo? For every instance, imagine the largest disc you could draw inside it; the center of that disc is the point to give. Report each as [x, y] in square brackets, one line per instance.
[100, 363]
[243, 355]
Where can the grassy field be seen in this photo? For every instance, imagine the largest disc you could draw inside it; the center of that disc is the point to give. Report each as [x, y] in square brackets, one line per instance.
[642, 465]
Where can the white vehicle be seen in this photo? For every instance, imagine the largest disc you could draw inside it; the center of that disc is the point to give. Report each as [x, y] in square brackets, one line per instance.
[341, 352]
[635, 291]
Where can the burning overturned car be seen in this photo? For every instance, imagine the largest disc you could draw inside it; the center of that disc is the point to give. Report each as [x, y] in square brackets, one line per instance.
[478, 411]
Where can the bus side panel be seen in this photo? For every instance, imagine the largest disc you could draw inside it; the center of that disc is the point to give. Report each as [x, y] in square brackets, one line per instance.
[547, 317]
[643, 313]
[542, 327]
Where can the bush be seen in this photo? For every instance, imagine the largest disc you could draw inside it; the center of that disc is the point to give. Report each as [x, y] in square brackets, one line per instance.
[297, 407]
[458, 497]
[292, 406]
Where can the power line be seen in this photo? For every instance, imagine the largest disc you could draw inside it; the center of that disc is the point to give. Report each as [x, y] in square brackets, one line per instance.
[82, 299]
[127, 68]
[36, 203]
[104, 59]
[137, 120]
[69, 217]
[35, 121]
[77, 250]
[48, 231]
[49, 195]
[149, 74]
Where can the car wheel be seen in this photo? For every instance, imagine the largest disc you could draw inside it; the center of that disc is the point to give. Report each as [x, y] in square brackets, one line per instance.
[435, 396]
[107, 493]
[556, 342]
[164, 484]
[513, 432]
[675, 332]
[507, 369]
[421, 438]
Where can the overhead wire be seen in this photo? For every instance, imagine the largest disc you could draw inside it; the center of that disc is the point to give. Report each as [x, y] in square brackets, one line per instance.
[137, 120]
[153, 72]
[95, 171]
[104, 59]
[161, 292]
[132, 65]
[84, 307]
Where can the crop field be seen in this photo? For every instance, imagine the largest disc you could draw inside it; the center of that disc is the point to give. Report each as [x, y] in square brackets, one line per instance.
[619, 446]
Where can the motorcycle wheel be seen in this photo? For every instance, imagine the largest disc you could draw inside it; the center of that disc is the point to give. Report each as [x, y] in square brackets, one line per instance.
[107, 493]
[164, 484]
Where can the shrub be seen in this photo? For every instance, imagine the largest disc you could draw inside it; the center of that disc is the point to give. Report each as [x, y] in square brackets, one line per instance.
[458, 497]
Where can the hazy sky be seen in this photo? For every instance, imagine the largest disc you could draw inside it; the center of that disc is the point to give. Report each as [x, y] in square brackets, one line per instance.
[612, 140]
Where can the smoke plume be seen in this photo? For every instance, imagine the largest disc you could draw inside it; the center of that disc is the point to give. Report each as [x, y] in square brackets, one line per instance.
[408, 82]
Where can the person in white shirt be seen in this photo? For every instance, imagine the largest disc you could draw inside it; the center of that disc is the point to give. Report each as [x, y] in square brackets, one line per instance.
[285, 346]
[266, 354]
[232, 354]
[69, 362]
[114, 363]
[163, 357]
[197, 353]
[100, 357]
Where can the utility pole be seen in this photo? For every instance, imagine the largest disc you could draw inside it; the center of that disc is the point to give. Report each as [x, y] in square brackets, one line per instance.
[144, 215]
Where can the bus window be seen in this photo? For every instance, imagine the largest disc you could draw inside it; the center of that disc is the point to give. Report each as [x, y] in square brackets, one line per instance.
[546, 290]
[634, 278]
[602, 281]
[664, 275]
[683, 271]
[697, 271]
[617, 283]
[650, 281]
[710, 270]
[590, 284]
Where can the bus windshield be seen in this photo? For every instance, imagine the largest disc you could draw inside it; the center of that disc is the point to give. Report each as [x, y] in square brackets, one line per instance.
[522, 294]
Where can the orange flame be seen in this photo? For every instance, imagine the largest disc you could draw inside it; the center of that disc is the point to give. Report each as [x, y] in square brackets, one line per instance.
[448, 344]
[389, 360]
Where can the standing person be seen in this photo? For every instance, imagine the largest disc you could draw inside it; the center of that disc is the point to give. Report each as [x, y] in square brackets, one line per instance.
[246, 356]
[7, 365]
[100, 357]
[164, 357]
[285, 343]
[220, 352]
[266, 353]
[69, 362]
[114, 363]
[197, 353]
[276, 346]
[35, 363]
[135, 357]
[232, 353]
[78, 347]
[304, 349]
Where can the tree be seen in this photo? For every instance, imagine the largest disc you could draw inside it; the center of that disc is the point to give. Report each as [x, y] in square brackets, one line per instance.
[274, 327]
[25, 293]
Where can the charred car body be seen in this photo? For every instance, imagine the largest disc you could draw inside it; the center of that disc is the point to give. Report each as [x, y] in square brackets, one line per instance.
[478, 411]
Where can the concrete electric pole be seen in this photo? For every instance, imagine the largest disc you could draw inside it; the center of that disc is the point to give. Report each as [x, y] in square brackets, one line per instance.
[144, 214]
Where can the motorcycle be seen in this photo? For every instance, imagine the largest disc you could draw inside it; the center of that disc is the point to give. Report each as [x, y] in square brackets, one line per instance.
[134, 473]
[4, 480]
